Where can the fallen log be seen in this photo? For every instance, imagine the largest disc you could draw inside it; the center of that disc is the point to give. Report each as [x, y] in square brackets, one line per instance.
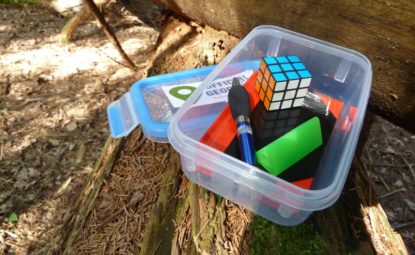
[355, 224]
[160, 225]
[76, 218]
[381, 30]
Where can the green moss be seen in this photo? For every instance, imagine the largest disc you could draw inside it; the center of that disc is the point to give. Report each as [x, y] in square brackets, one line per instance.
[269, 238]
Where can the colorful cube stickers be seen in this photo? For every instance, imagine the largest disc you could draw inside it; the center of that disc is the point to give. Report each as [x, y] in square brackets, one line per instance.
[282, 82]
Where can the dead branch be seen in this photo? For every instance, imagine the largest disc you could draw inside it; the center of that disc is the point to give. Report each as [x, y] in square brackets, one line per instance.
[110, 34]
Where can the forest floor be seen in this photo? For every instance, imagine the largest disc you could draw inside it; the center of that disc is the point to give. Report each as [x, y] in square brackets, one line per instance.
[52, 112]
[53, 122]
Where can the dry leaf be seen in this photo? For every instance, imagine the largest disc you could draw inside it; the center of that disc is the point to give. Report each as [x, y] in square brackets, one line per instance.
[81, 153]
[63, 187]
[71, 126]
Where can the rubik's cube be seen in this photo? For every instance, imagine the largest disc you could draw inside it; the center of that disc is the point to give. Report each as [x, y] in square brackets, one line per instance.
[282, 82]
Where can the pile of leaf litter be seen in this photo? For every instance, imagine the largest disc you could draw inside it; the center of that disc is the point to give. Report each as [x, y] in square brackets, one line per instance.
[52, 113]
[390, 156]
[122, 209]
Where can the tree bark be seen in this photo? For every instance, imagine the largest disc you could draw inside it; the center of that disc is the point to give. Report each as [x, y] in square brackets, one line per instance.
[382, 30]
[78, 215]
[160, 229]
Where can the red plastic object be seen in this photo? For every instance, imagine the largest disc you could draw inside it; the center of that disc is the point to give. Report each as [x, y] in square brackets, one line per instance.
[223, 130]
[221, 133]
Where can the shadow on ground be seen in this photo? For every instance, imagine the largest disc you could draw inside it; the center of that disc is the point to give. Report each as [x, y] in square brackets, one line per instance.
[52, 118]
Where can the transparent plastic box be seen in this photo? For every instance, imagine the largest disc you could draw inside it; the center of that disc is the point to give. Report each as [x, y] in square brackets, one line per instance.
[146, 103]
[337, 72]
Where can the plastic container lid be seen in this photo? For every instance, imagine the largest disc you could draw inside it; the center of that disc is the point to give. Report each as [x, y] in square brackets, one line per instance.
[147, 104]
[338, 73]
[152, 102]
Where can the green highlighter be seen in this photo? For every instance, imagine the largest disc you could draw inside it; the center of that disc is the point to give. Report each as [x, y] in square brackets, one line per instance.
[290, 148]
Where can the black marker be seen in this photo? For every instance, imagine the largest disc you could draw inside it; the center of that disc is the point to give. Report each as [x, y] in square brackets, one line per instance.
[238, 100]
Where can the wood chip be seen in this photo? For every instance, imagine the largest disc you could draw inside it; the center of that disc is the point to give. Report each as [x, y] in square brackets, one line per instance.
[71, 126]
[81, 153]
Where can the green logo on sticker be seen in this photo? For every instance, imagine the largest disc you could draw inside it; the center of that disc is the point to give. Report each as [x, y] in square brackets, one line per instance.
[182, 92]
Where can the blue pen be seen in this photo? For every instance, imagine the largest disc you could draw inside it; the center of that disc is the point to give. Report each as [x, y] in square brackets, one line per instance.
[238, 100]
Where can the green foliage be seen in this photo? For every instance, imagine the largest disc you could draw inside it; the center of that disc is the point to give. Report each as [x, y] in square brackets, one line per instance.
[13, 217]
[269, 238]
[19, 2]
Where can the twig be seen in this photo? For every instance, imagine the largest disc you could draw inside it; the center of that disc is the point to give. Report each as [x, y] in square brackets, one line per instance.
[201, 230]
[80, 154]
[195, 207]
[243, 213]
[63, 187]
[390, 165]
[1, 150]
[157, 247]
[384, 183]
[108, 56]
[388, 140]
[404, 225]
[386, 152]
[110, 34]
[5, 180]
[167, 184]
[164, 158]
[392, 192]
[409, 166]
[9, 233]
[121, 210]
[369, 157]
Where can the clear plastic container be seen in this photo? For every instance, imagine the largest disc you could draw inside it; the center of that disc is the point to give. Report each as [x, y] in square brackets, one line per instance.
[337, 72]
[148, 105]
